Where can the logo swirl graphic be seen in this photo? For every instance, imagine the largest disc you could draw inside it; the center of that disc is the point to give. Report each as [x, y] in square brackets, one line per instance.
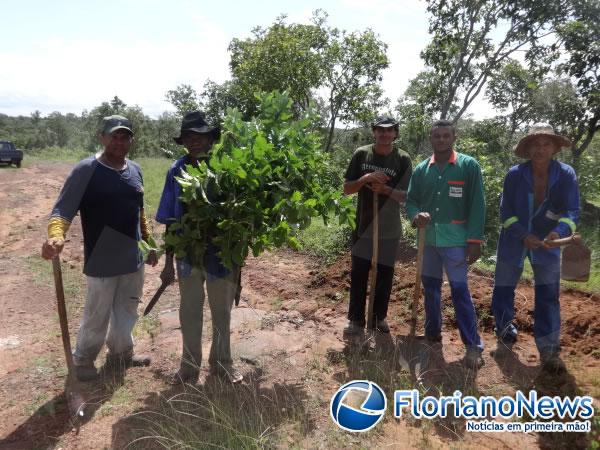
[364, 417]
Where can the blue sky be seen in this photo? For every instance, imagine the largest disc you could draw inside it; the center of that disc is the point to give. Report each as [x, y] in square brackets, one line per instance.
[69, 56]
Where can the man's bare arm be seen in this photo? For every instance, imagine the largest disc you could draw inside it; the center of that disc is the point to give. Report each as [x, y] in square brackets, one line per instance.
[352, 187]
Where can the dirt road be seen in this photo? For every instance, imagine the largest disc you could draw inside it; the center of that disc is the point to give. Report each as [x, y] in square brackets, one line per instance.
[286, 337]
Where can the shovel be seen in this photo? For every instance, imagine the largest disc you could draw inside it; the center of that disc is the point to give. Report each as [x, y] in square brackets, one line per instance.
[74, 399]
[374, 258]
[576, 258]
[417, 290]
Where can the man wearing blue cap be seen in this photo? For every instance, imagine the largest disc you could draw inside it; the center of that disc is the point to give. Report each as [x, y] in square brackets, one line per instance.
[107, 190]
[383, 169]
[197, 136]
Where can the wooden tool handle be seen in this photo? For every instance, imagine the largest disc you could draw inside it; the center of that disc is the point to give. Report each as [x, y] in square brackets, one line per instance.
[374, 260]
[62, 314]
[575, 238]
[417, 290]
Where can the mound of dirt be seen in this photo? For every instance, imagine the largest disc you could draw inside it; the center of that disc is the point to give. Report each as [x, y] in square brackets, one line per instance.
[580, 330]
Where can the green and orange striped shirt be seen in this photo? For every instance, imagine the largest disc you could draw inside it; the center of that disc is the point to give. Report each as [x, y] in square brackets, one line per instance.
[453, 197]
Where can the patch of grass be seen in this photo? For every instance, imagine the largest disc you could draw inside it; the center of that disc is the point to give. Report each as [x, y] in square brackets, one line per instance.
[154, 171]
[376, 361]
[587, 379]
[595, 430]
[147, 325]
[326, 242]
[55, 153]
[47, 368]
[122, 397]
[73, 281]
[277, 304]
[316, 368]
[217, 415]
[37, 403]
[335, 438]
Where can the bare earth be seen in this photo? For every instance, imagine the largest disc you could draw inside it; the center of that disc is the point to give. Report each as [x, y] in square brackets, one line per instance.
[286, 338]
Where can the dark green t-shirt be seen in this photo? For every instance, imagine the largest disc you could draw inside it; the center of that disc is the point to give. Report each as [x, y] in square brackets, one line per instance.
[398, 167]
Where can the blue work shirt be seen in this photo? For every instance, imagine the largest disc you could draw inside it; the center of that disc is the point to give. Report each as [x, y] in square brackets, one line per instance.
[558, 212]
[171, 210]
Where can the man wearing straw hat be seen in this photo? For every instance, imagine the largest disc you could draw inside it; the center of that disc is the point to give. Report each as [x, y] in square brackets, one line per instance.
[540, 203]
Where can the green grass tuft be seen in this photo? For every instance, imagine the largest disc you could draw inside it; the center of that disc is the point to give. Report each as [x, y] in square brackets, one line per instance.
[326, 242]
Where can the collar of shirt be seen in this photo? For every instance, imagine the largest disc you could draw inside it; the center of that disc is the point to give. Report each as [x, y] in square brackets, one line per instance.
[451, 160]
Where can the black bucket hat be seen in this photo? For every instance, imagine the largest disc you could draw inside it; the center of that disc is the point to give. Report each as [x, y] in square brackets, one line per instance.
[195, 122]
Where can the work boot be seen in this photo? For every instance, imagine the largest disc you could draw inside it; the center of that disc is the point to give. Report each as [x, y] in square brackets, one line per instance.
[87, 372]
[434, 340]
[354, 328]
[473, 359]
[227, 373]
[551, 363]
[382, 326]
[126, 359]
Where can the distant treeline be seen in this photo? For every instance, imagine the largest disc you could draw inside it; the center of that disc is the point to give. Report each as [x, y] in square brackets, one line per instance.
[35, 132]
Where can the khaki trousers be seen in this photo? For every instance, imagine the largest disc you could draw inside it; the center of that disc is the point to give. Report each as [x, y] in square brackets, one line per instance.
[221, 293]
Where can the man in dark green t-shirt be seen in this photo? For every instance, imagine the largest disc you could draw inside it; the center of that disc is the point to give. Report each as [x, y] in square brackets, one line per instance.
[384, 169]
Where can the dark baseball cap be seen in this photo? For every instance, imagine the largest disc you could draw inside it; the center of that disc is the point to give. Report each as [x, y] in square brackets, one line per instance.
[385, 122]
[116, 122]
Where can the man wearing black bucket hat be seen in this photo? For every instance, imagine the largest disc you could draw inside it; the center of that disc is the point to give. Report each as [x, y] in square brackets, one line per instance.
[197, 136]
[383, 169]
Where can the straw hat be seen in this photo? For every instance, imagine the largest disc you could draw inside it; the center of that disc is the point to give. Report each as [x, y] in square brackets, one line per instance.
[537, 130]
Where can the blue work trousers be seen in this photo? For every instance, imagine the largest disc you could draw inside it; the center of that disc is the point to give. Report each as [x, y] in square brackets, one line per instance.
[546, 313]
[452, 260]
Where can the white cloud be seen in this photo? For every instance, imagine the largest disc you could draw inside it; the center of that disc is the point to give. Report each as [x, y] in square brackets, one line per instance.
[70, 76]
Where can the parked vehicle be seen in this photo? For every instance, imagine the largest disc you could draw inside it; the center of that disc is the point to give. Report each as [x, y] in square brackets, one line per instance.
[9, 154]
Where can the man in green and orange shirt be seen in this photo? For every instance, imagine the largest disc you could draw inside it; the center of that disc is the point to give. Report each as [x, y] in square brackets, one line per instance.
[445, 195]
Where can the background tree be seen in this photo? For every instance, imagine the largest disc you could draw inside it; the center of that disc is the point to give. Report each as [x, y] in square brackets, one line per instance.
[580, 37]
[217, 98]
[306, 59]
[184, 98]
[416, 114]
[464, 51]
[512, 91]
[353, 66]
[295, 56]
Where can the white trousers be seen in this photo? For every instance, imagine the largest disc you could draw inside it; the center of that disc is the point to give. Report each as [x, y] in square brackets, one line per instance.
[114, 300]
